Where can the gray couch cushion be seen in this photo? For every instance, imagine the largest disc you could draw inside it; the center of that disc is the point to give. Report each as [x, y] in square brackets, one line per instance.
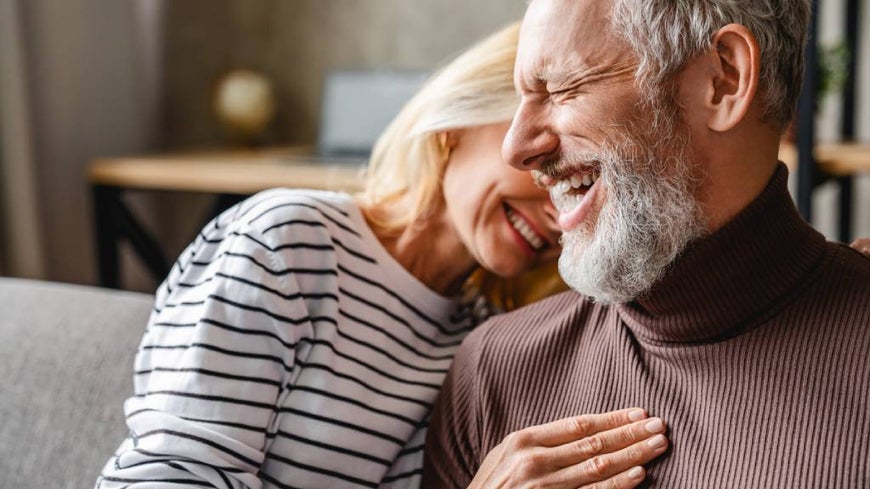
[66, 355]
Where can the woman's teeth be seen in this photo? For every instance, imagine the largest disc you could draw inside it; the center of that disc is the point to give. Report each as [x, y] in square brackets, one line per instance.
[526, 231]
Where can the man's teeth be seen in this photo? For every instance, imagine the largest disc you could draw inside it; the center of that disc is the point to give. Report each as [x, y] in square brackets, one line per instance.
[576, 181]
[585, 180]
[564, 201]
[561, 192]
[525, 230]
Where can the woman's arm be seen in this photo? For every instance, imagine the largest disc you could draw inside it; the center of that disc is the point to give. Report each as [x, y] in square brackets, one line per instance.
[213, 364]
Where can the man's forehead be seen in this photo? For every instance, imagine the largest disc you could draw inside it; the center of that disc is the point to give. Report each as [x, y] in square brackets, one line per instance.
[561, 37]
[569, 16]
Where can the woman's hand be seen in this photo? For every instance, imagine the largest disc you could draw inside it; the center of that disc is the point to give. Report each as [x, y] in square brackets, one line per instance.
[591, 451]
[862, 245]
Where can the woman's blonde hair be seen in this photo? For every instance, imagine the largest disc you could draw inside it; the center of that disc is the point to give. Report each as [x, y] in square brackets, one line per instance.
[409, 158]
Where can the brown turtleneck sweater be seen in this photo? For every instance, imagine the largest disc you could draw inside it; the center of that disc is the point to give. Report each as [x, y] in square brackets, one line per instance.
[755, 349]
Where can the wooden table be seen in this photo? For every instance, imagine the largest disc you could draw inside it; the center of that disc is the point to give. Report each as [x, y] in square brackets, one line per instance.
[232, 175]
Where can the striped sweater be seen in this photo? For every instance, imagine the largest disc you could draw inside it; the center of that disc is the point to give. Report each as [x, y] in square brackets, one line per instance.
[754, 349]
[286, 348]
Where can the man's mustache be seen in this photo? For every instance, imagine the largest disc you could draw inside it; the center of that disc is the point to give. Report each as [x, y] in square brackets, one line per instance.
[566, 164]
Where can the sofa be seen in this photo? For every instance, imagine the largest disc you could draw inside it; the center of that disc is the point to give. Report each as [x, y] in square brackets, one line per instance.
[66, 357]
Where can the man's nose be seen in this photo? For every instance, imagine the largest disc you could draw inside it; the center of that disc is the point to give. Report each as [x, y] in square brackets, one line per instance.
[530, 142]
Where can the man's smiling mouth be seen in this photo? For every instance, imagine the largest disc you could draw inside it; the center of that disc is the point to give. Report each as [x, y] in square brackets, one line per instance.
[572, 192]
[568, 190]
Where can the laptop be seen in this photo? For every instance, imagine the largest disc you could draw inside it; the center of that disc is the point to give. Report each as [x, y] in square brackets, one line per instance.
[356, 106]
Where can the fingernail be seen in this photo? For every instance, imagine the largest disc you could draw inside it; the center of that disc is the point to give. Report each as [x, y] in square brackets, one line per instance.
[636, 415]
[655, 426]
[657, 441]
[636, 473]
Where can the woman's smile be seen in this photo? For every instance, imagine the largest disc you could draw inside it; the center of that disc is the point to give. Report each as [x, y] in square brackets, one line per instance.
[531, 241]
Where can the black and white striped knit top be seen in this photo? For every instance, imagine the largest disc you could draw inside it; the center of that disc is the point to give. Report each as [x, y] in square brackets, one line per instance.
[287, 348]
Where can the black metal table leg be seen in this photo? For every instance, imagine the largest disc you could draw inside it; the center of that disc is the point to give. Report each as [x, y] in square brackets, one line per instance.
[114, 222]
[107, 235]
[846, 190]
[143, 243]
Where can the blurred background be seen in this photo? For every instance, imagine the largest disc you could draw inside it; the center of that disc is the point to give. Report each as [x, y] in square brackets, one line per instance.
[82, 80]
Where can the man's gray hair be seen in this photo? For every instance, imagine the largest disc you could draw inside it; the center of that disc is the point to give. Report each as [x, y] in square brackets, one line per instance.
[666, 34]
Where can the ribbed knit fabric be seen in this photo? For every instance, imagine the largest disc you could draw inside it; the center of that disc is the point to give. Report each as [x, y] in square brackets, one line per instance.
[754, 350]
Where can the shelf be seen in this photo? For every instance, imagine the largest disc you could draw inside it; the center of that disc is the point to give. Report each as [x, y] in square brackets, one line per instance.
[834, 159]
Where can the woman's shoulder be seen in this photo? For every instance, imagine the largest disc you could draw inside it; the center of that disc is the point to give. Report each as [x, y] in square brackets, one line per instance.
[285, 208]
[284, 203]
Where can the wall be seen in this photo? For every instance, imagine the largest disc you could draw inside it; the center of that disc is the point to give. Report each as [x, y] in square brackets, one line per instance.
[296, 42]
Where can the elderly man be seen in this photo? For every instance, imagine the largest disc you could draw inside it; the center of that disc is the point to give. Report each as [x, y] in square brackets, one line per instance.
[703, 298]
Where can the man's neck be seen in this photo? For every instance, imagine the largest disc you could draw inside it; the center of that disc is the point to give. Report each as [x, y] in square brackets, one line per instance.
[736, 168]
[722, 284]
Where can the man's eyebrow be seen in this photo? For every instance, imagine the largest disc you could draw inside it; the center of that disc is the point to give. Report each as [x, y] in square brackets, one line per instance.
[561, 79]
[555, 77]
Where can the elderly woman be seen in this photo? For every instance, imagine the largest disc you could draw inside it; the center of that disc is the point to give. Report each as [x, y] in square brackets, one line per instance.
[301, 339]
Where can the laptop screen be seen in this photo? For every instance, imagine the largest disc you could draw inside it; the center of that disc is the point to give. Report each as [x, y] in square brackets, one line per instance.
[358, 105]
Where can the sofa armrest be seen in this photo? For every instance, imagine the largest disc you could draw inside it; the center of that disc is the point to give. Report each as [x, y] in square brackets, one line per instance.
[66, 355]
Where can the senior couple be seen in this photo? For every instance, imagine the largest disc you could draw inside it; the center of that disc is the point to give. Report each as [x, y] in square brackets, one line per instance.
[713, 338]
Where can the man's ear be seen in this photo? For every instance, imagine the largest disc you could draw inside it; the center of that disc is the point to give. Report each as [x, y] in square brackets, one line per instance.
[736, 68]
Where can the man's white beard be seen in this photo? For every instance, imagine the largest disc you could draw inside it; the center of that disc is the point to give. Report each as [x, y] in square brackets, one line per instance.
[649, 216]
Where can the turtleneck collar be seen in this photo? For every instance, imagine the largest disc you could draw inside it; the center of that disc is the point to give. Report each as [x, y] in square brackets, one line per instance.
[725, 283]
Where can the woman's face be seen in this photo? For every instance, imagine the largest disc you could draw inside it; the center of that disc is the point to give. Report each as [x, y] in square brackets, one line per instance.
[504, 220]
